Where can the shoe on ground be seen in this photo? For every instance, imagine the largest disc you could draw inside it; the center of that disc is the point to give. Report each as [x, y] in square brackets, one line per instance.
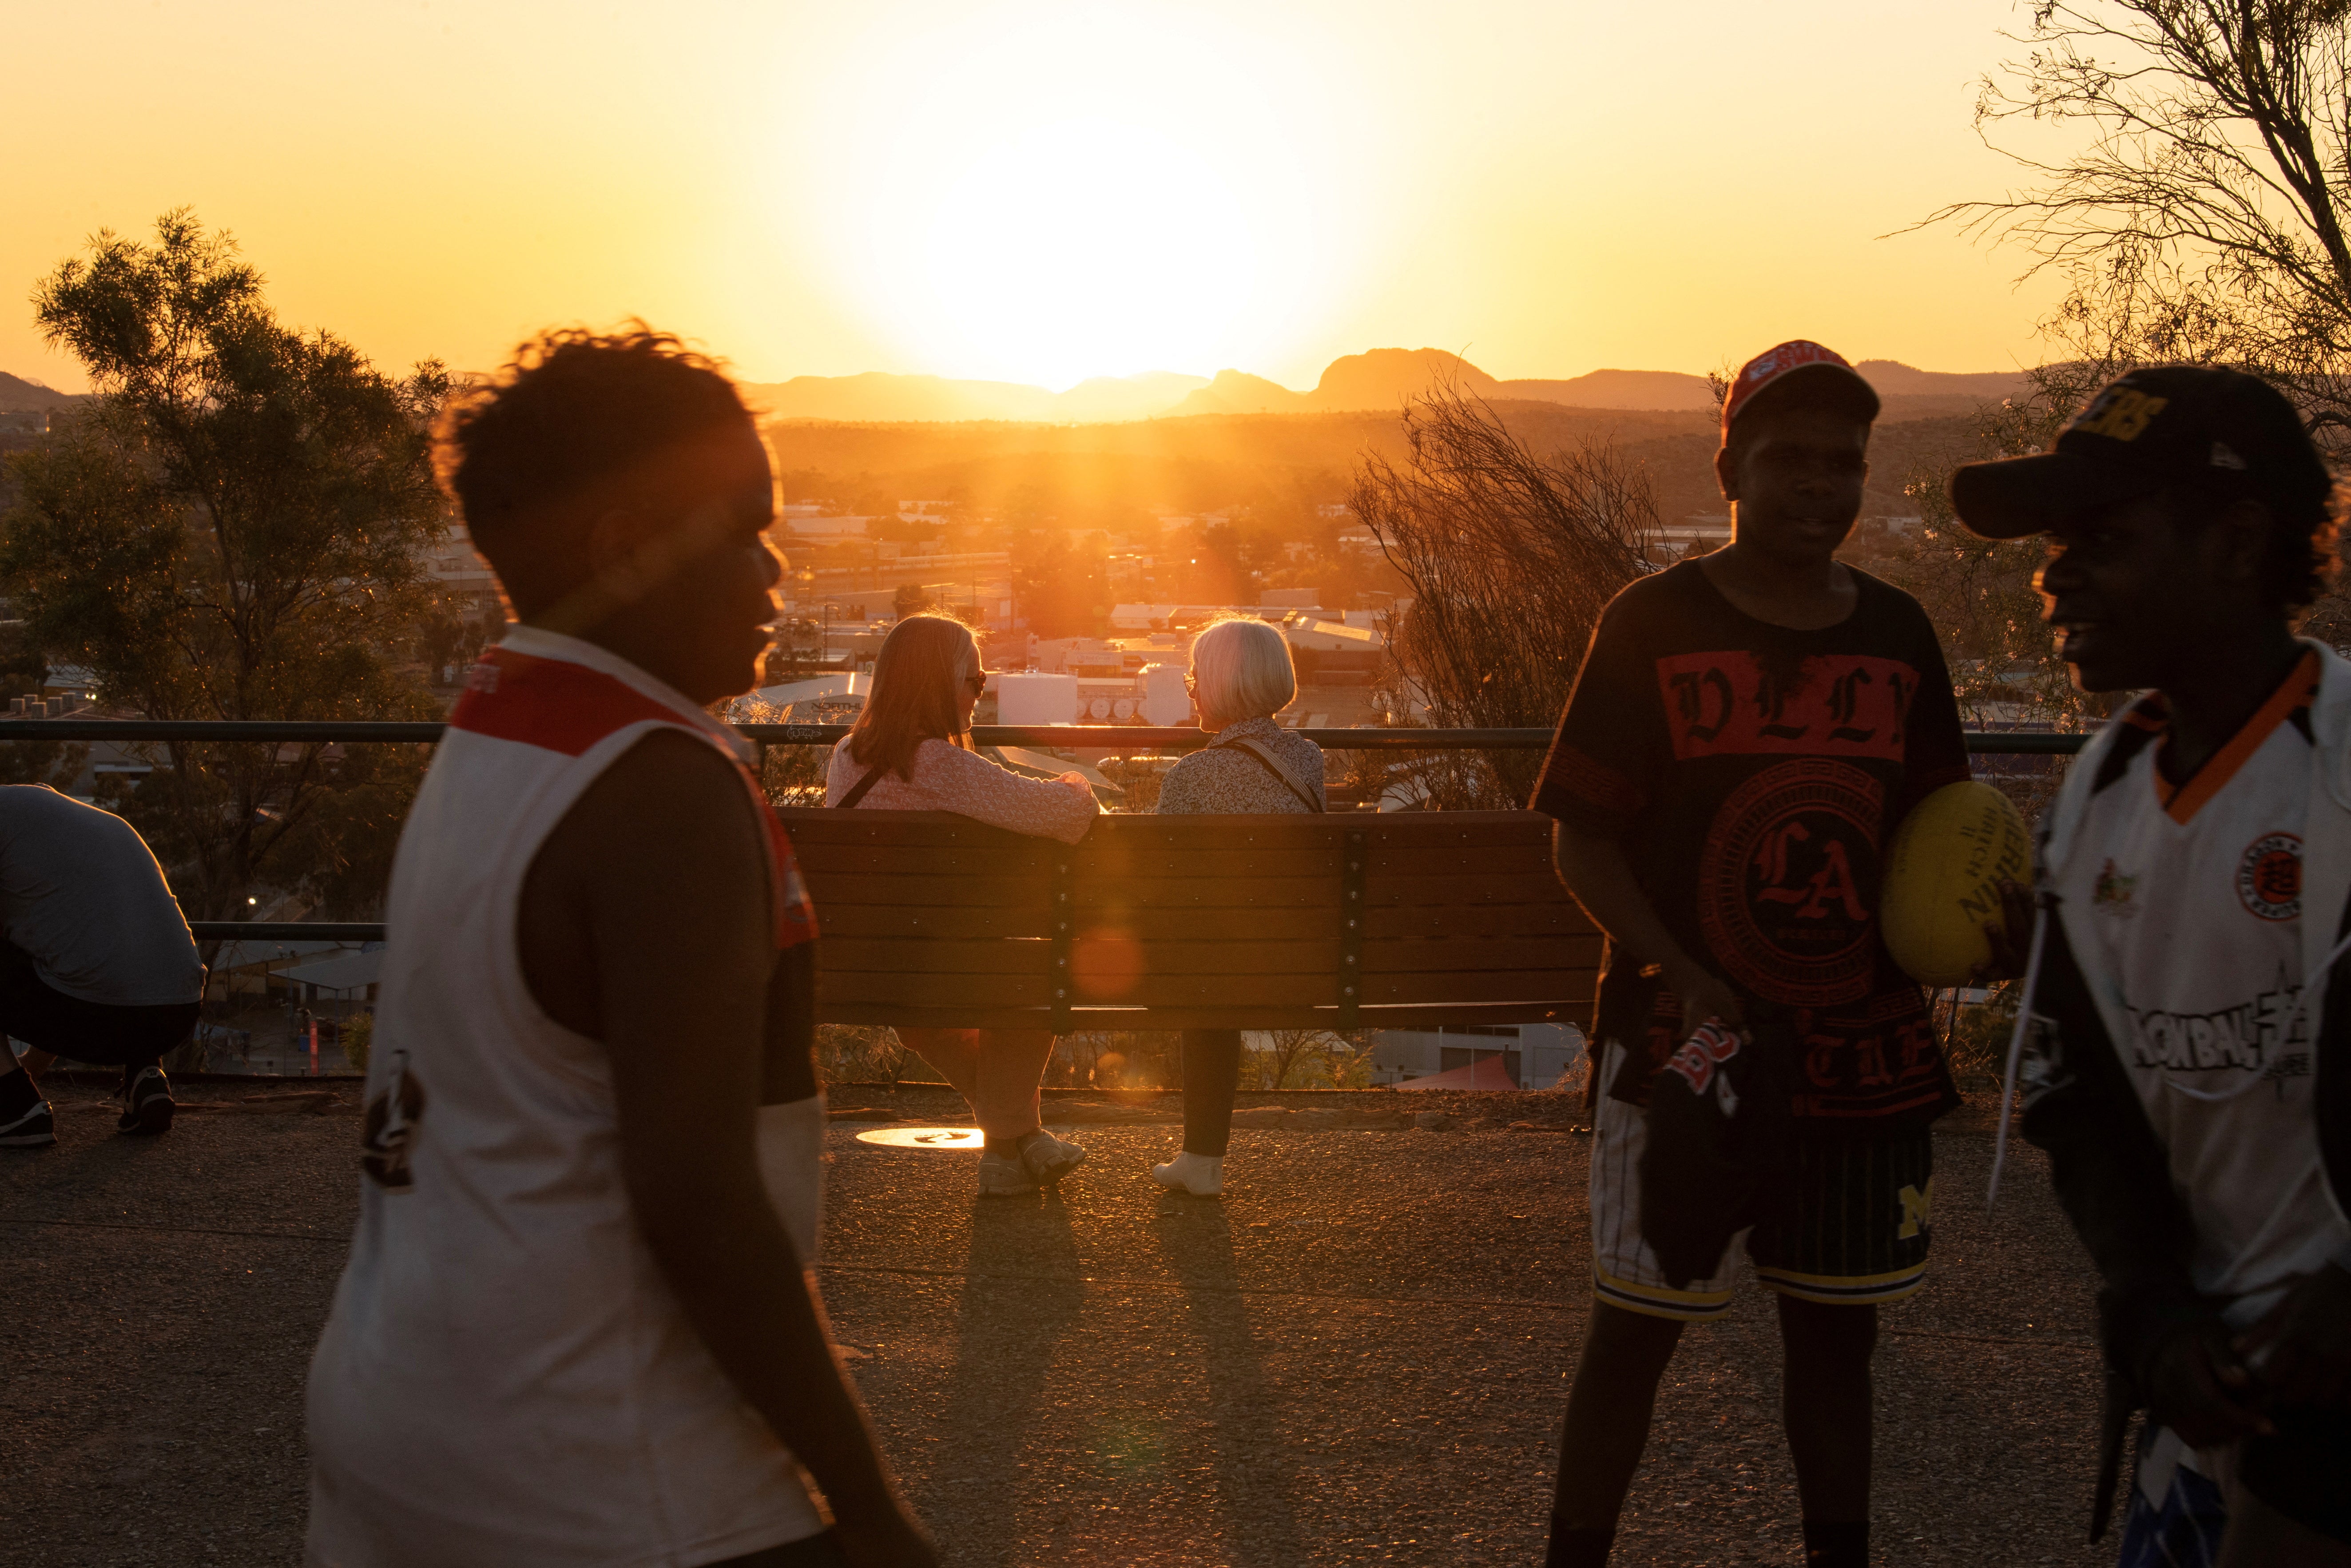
[147, 1105]
[1004, 1175]
[1202, 1176]
[31, 1129]
[1048, 1159]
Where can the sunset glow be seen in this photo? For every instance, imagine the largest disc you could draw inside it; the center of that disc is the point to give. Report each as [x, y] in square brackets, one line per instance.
[1039, 191]
[1091, 192]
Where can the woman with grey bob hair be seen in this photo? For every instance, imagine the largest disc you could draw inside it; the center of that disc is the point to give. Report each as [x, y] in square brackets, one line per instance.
[1241, 676]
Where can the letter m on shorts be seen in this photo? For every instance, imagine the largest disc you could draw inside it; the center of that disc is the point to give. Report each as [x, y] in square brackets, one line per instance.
[1918, 1209]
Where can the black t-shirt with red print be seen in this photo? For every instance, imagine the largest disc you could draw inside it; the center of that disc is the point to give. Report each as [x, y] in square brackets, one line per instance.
[1754, 774]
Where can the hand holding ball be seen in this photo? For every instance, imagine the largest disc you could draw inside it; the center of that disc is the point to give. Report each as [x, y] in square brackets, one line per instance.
[1942, 881]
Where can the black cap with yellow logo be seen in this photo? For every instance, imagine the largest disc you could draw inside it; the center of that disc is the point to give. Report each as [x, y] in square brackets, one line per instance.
[2166, 427]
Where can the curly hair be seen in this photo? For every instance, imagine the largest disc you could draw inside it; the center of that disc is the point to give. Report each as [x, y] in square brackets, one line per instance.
[579, 412]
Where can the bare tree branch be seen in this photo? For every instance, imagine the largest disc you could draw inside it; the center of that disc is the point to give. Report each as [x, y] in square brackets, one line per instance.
[2204, 220]
[1511, 558]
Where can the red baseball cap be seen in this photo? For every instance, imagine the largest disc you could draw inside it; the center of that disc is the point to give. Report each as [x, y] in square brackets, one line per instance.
[1808, 360]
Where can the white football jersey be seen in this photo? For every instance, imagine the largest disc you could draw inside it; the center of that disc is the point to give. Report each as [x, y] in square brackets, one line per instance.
[2193, 896]
[506, 1380]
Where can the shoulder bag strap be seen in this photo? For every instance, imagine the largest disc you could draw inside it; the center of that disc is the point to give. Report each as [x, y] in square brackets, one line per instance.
[1275, 766]
[857, 790]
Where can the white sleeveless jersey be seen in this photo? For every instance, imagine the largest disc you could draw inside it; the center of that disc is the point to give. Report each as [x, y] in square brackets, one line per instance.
[2194, 900]
[506, 1379]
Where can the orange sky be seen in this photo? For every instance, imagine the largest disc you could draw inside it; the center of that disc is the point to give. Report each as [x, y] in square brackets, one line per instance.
[1040, 192]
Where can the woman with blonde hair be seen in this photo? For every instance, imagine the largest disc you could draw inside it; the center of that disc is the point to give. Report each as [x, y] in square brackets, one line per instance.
[1241, 676]
[910, 750]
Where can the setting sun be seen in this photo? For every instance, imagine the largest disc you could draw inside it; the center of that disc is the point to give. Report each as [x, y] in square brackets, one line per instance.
[1087, 192]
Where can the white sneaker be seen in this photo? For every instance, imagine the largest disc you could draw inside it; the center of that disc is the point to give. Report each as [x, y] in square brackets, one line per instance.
[1003, 1176]
[1048, 1159]
[1202, 1176]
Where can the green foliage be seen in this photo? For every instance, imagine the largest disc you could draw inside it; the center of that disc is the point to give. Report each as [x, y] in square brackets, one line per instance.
[910, 600]
[55, 763]
[233, 531]
[1063, 591]
[338, 854]
[1981, 594]
[357, 1035]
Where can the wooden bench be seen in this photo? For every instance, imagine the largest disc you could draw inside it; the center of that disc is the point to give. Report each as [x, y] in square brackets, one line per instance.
[1406, 920]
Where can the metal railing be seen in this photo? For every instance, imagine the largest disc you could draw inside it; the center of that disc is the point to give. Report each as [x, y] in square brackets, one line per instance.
[1123, 738]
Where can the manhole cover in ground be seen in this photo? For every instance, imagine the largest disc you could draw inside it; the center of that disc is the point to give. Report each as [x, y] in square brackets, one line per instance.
[943, 1138]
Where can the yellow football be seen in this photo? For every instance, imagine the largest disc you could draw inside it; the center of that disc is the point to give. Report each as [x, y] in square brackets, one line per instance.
[1942, 881]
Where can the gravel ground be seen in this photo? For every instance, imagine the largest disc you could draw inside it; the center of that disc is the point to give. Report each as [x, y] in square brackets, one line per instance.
[1360, 1356]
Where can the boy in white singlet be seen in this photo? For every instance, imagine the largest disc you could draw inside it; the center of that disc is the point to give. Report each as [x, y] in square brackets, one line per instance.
[578, 1327]
[2190, 1070]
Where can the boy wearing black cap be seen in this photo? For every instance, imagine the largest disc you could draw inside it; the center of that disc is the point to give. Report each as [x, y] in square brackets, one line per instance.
[2189, 1040]
[1745, 734]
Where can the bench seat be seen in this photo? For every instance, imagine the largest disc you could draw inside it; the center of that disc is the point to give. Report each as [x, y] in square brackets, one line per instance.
[1408, 920]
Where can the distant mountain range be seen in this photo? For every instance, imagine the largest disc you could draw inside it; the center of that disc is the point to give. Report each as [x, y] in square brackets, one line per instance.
[18, 393]
[1376, 381]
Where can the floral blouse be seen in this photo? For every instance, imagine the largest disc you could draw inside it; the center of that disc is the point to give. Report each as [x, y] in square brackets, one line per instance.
[1229, 781]
[949, 778]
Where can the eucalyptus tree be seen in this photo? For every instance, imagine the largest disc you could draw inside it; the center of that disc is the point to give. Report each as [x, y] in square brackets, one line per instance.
[2198, 198]
[233, 529]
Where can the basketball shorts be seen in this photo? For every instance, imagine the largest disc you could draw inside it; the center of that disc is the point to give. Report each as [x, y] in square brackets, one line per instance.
[1853, 1230]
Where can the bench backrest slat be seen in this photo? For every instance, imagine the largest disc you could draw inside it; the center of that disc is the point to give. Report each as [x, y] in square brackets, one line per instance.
[1255, 921]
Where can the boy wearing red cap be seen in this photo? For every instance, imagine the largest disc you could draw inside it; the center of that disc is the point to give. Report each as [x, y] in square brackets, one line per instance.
[1746, 733]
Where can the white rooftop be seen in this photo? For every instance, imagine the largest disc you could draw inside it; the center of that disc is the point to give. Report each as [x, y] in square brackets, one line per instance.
[351, 972]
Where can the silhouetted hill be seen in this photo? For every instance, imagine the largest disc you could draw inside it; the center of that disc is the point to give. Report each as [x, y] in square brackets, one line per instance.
[1384, 378]
[15, 393]
[1103, 397]
[1238, 392]
[1894, 379]
[1378, 380]
[1620, 389]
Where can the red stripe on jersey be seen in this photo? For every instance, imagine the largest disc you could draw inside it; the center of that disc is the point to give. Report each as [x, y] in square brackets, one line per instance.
[564, 707]
[549, 704]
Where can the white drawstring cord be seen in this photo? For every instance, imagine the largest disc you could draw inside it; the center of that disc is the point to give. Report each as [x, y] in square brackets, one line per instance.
[2041, 918]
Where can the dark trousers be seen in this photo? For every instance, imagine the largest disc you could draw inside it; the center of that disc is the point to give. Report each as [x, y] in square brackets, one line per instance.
[1212, 1075]
[127, 1037]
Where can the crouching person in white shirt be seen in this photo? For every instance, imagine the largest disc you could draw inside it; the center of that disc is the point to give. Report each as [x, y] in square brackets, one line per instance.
[2191, 1030]
[578, 1327]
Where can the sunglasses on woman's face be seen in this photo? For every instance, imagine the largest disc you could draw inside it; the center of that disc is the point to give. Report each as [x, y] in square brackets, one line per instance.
[976, 681]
